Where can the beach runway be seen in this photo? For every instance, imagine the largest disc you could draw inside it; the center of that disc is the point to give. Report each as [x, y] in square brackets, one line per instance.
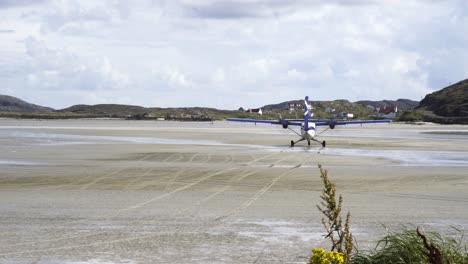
[115, 191]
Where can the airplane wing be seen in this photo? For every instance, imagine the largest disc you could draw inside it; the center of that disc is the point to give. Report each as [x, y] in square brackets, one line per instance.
[273, 122]
[332, 122]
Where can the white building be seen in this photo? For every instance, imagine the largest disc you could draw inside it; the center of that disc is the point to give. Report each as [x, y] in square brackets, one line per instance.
[388, 112]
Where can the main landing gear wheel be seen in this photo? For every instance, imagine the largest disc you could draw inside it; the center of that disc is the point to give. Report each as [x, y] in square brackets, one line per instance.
[324, 143]
[292, 143]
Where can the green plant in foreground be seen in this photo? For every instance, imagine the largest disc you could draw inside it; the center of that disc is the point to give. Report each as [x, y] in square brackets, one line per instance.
[407, 246]
[340, 237]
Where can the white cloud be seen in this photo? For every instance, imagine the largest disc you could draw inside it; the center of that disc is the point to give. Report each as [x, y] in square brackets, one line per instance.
[173, 77]
[150, 53]
[294, 74]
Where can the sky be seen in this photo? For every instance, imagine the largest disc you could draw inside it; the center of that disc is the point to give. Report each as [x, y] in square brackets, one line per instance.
[228, 54]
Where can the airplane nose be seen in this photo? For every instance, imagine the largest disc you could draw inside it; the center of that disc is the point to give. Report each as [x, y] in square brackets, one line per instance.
[311, 133]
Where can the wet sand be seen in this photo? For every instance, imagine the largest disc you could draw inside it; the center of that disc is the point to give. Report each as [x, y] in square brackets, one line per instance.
[107, 191]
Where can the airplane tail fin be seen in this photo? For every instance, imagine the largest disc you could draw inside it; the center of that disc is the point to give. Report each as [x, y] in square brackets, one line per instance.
[306, 113]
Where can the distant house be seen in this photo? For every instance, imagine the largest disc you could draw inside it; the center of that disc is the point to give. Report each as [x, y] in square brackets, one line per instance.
[387, 112]
[295, 105]
[258, 110]
[329, 110]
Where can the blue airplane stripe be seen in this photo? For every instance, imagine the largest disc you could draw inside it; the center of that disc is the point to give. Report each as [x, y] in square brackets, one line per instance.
[253, 120]
[274, 122]
[326, 123]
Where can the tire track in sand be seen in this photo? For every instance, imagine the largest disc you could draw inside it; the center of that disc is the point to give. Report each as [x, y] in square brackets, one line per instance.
[80, 221]
[132, 208]
[259, 193]
[164, 195]
[225, 188]
[86, 186]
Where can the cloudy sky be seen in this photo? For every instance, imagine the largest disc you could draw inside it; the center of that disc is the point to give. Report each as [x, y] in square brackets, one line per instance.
[231, 53]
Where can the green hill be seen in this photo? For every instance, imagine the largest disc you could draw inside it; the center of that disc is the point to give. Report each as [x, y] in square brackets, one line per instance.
[319, 109]
[402, 104]
[105, 110]
[451, 101]
[13, 104]
[16, 108]
[146, 113]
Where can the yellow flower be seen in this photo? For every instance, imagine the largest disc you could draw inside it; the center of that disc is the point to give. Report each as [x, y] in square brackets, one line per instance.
[318, 251]
[320, 256]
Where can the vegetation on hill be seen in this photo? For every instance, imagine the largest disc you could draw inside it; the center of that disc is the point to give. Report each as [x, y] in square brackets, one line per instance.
[446, 106]
[320, 109]
[359, 111]
[146, 113]
[105, 110]
[402, 104]
[451, 101]
[187, 113]
[13, 104]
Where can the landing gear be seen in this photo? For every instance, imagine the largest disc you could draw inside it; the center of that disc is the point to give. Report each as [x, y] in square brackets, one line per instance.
[323, 143]
[294, 142]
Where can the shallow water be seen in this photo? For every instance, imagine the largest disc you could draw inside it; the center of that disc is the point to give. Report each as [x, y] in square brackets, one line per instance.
[403, 157]
[406, 157]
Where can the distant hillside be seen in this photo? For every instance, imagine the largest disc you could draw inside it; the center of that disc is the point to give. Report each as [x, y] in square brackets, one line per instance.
[451, 101]
[402, 104]
[145, 113]
[105, 110]
[321, 109]
[16, 108]
[280, 106]
[13, 104]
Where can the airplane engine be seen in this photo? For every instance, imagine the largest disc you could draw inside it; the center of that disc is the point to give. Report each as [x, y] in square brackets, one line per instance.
[331, 124]
[285, 126]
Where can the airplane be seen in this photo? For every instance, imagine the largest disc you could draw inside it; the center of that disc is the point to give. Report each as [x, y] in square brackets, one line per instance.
[308, 127]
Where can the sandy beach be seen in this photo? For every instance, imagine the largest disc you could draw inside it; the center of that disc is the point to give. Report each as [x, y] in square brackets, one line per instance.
[115, 191]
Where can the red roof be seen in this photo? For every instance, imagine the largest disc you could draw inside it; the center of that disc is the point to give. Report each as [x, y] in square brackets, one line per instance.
[387, 110]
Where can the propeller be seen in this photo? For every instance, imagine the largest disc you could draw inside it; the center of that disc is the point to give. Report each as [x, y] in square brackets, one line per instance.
[283, 122]
[331, 123]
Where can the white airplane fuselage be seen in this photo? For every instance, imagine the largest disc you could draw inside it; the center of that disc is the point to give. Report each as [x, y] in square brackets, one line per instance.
[308, 134]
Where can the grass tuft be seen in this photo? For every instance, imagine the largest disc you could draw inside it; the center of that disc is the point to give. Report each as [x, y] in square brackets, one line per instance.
[406, 246]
